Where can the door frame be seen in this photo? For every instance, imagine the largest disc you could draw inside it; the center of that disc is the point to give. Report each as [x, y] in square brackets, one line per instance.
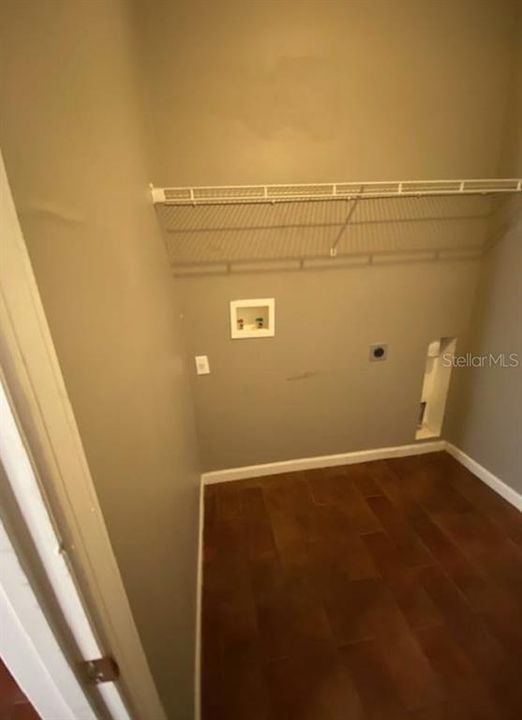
[28, 642]
[40, 403]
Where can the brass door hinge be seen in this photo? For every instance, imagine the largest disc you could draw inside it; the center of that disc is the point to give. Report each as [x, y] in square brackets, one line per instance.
[101, 670]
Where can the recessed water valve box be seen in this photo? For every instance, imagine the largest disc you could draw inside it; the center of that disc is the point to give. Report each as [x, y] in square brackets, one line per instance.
[252, 318]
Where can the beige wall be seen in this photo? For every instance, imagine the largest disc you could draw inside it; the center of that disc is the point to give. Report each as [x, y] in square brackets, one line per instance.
[485, 412]
[311, 390]
[485, 409]
[314, 91]
[288, 91]
[511, 155]
[73, 149]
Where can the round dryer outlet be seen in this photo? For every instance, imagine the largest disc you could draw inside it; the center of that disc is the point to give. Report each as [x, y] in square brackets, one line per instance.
[378, 352]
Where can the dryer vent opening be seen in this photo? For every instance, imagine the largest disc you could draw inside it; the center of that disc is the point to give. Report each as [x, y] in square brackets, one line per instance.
[435, 388]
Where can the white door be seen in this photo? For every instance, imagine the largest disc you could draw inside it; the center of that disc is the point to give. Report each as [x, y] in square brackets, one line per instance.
[45, 632]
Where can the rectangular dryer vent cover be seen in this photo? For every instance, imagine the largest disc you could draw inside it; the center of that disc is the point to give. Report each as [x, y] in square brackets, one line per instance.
[252, 318]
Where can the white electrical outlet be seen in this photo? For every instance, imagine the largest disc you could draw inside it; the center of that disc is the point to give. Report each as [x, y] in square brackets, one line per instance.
[202, 366]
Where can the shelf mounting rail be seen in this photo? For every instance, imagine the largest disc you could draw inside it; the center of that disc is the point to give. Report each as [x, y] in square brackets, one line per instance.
[321, 192]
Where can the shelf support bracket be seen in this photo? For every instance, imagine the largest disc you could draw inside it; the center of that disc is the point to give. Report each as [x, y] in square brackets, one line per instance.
[333, 248]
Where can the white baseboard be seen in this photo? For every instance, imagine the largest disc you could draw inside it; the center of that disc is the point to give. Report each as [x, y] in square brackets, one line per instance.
[495, 483]
[360, 456]
[321, 461]
[199, 604]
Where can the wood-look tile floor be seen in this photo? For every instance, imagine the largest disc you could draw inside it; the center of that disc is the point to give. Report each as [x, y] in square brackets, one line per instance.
[382, 591]
[13, 703]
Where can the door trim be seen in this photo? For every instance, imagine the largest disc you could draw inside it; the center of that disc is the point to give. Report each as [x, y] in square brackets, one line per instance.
[35, 660]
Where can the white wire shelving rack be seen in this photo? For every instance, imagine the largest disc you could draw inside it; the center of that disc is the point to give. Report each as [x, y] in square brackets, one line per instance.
[322, 192]
[209, 219]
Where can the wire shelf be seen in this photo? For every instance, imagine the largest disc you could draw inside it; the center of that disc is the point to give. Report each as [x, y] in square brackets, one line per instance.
[321, 192]
[261, 227]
